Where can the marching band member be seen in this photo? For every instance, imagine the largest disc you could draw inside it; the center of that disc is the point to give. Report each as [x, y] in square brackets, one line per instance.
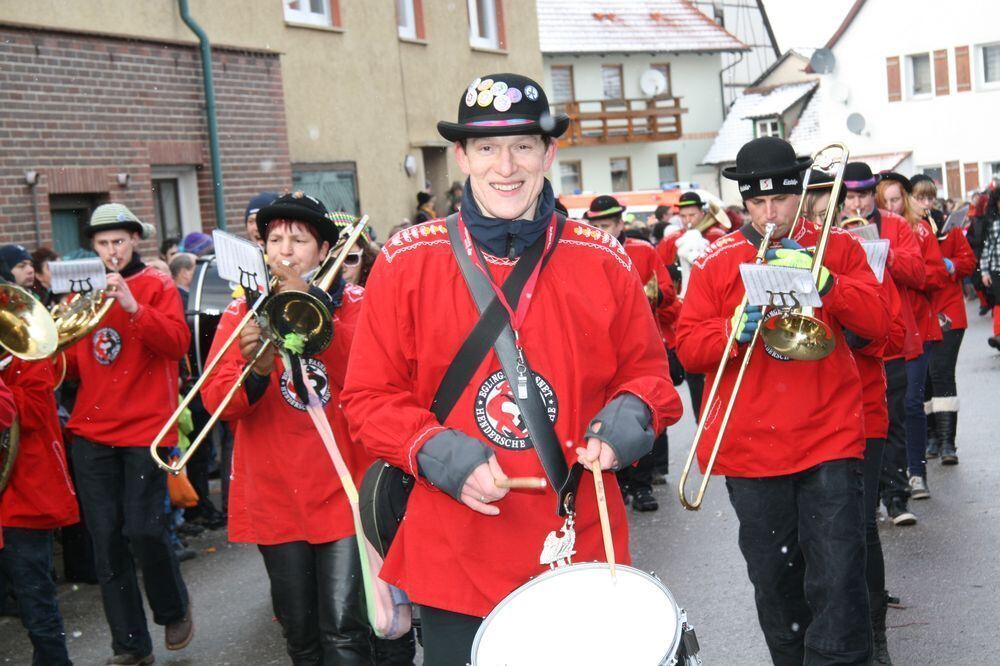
[39, 498]
[588, 335]
[948, 304]
[250, 216]
[905, 266]
[284, 495]
[935, 278]
[791, 455]
[606, 214]
[989, 261]
[127, 369]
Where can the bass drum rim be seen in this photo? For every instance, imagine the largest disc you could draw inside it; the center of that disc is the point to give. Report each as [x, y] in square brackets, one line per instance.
[668, 659]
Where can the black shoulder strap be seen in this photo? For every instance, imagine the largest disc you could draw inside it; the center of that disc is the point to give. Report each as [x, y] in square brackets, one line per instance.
[480, 339]
[533, 411]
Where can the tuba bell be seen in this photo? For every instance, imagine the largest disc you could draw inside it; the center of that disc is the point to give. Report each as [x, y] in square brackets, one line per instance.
[714, 215]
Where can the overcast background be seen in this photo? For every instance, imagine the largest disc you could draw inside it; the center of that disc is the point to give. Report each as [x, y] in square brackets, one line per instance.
[799, 23]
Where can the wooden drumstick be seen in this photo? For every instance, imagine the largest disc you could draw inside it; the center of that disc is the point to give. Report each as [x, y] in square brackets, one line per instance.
[602, 509]
[518, 482]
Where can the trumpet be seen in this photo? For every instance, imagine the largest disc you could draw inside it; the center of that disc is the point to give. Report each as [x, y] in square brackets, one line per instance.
[798, 333]
[283, 313]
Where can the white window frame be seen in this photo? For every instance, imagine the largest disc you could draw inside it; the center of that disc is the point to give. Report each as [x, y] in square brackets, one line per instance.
[406, 20]
[765, 124]
[307, 16]
[492, 40]
[910, 94]
[980, 68]
[187, 194]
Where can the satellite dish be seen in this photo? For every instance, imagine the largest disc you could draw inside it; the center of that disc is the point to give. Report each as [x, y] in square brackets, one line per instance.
[856, 123]
[822, 61]
[653, 83]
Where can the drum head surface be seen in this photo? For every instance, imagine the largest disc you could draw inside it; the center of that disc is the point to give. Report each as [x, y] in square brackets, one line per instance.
[578, 615]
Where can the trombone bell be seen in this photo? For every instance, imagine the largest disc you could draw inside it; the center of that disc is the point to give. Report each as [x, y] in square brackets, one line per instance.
[300, 313]
[798, 335]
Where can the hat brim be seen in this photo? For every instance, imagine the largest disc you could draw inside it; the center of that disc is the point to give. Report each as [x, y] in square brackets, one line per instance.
[600, 214]
[128, 225]
[801, 164]
[456, 132]
[289, 211]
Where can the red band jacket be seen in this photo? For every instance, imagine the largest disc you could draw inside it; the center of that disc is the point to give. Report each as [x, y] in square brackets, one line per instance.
[950, 298]
[871, 363]
[284, 487]
[40, 494]
[8, 410]
[936, 279]
[789, 415]
[648, 264]
[906, 266]
[127, 367]
[588, 336]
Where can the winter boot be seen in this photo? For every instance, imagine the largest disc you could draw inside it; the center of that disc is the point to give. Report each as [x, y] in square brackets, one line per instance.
[880, 646]
[947, 425]
[933, 443]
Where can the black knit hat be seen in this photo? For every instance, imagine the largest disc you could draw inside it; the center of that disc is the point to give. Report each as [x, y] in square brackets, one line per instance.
[898, 178]
[858, 177]
[690, 199]
[503, 105]
[767, 165]
[604, 206]
[298, 207]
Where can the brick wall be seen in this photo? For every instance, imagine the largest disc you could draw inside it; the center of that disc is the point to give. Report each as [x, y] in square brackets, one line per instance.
[79, 109]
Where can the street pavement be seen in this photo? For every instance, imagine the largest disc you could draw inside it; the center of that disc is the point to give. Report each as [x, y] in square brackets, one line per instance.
[945, 569]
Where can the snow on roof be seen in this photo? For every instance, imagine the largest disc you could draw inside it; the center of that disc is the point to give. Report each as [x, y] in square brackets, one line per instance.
[626, 26]
[738, 126]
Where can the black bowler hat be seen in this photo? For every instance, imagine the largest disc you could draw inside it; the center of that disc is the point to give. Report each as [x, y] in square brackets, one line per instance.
[603, 206]
[690, 199]
[858, 177]
[298, 207]
[766, 166]
[503, 105]
[919, 178]
[897, 178]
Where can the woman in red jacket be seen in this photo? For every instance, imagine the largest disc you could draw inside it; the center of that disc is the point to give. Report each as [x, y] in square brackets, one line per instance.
[948, 303]
[285, 495]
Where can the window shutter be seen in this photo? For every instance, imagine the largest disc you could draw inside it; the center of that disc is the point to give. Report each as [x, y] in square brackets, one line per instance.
[501, 28]
[971, 176]
[963, 77]
[941, 85]
[953, 176]
[892, 78]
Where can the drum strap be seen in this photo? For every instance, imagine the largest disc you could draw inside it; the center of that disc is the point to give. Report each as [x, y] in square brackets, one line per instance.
[493, 329]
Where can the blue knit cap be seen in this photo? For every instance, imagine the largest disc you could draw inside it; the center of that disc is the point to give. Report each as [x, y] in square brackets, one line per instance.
[258, 202]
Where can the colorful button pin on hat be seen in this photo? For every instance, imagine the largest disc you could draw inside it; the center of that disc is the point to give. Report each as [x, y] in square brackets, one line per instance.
[501, 103]
[498, 88]
[485, 84]
[514, 94]
[485, 98]
[475, 84]
[531, 92]
[470, 97]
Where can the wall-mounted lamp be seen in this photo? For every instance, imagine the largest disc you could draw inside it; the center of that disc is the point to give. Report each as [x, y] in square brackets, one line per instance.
[31, 178]
[122, 179]
[410, 165]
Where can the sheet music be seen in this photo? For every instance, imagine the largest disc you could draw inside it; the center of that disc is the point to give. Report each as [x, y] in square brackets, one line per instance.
[878, 252]
[779, 286]
[868, 232]
[78, 276]
[240, 261]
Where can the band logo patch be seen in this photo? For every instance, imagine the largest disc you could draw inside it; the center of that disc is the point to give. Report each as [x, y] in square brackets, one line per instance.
[744, 187]
[790, 181]
[766, 184]
[315, 374]
[767, 348]
[107, 345]
[498, 416]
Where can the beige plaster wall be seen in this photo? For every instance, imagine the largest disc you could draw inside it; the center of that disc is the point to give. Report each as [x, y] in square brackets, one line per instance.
[358, 93]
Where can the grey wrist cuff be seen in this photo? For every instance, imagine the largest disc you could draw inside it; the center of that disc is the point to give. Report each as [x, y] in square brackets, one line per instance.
[627, 427]
[448, 458]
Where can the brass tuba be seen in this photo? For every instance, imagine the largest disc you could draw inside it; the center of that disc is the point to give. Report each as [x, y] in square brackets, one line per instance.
[714, 215]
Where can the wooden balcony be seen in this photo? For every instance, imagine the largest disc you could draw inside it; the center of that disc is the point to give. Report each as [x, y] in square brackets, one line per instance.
[611, 121]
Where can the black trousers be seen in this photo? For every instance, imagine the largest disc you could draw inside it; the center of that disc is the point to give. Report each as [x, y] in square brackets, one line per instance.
[696, 386]
[802, 536]
[318, 597]
[197, 467]
[123, 493]
[944, 357]
[875, 562]
[894, 483]
[447, 637]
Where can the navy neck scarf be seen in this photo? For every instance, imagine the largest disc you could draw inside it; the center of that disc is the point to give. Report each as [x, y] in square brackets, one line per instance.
[507, 238]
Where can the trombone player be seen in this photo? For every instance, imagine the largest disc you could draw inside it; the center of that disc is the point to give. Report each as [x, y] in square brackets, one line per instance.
[792, 452]
[284, 496]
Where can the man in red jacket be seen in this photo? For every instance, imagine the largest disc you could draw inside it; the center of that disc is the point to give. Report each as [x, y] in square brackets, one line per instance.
[792, 451]
[586, 332]
[39, 498]
[128, 375]
[606, 214]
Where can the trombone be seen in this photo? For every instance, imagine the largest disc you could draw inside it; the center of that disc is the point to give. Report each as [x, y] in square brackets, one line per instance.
[289, 312]
[799, 331]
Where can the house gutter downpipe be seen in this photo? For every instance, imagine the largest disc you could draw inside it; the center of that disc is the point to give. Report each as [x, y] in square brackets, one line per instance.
[213, 127]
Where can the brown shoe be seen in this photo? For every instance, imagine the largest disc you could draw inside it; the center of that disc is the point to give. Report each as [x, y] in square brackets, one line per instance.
[179, 634]
[131, 660]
